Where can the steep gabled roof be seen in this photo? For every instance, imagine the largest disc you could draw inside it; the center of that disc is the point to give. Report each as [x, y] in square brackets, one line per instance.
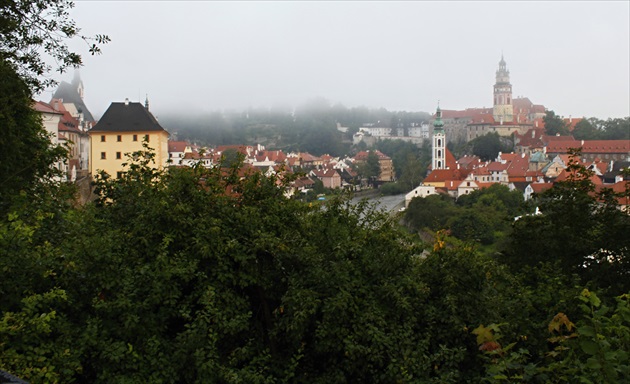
[127, 117]
[68, 93]
[449, 159]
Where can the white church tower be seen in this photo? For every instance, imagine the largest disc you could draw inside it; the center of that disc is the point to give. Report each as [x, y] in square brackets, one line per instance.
[439, 142]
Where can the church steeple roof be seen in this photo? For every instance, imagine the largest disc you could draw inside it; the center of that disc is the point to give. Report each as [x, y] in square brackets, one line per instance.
[438, 124]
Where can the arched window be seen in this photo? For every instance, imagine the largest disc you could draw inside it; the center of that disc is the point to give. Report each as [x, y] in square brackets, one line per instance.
[439, 153]
[439, 164]
[439, 142]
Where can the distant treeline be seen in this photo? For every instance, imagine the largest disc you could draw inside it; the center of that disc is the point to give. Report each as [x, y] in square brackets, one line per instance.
[310, 128]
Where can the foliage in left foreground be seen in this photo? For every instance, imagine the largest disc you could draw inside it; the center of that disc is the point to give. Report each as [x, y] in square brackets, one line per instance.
[197, 275]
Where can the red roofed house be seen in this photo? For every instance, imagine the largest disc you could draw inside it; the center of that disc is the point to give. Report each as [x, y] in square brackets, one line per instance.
[177, 150]
[330, 177]
[385, 162]
[535, 188]
[65, 131]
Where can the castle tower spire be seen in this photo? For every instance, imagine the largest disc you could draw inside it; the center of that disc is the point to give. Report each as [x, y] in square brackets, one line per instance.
[439, 142]
[77, 83]
[503, 109]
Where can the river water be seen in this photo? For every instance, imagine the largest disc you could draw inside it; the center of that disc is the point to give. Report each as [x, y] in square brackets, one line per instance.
[388, 203]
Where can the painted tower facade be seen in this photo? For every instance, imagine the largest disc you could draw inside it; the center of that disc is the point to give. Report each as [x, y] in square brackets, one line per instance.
[439, 142]
[503, 110]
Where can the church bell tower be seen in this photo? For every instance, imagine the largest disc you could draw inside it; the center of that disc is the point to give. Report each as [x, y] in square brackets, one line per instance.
[439, 142]
[503, 110]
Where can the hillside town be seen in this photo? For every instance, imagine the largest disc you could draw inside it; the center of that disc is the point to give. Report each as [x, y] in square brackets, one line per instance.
[190, 208]
[538, 160]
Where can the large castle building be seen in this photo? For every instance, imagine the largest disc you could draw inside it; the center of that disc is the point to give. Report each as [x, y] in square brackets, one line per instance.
[507, 116]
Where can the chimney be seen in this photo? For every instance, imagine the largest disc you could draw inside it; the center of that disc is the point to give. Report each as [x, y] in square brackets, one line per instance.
[126, 101]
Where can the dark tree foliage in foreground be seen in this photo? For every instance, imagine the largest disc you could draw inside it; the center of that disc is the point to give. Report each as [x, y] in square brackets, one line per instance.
[581, 228]
[26, 152]
[198, 275]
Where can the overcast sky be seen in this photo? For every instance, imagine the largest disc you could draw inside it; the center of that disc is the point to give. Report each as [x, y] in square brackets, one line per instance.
[571, 56]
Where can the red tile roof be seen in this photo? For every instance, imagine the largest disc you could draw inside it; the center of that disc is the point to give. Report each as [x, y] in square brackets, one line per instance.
[564, 175]
[590, 146]
[177, 146]
[308, 158]
[468, 162]
[40, 106]
[496, 166]
[483, 119]
[442, 175]
[540, 187]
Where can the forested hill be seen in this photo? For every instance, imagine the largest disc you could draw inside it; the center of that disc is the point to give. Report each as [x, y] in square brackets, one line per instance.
[311, 128]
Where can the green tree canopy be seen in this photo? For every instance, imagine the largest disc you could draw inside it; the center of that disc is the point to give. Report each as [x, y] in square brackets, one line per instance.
[26, 152]
[32, 31]
[487, 147]
[555, 125]
[581, 228]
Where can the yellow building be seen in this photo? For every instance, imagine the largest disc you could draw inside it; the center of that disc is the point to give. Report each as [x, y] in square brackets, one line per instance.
[122, 130]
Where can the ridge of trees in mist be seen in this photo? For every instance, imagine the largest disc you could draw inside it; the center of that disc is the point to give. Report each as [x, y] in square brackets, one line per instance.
[311, 127]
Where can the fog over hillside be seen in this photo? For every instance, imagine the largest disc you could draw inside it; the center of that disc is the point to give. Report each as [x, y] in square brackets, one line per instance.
[195, 57]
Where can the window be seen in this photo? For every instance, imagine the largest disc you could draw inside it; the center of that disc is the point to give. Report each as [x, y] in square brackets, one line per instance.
[103, 138]
[103, 156]
[119, 138]
[135, 137]
[119, 175]
[118, 155]
[146, 137]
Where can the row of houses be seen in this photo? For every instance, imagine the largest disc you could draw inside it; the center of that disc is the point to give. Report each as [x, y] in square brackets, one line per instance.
[127, 127]
[531, 169]
[333, 172]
